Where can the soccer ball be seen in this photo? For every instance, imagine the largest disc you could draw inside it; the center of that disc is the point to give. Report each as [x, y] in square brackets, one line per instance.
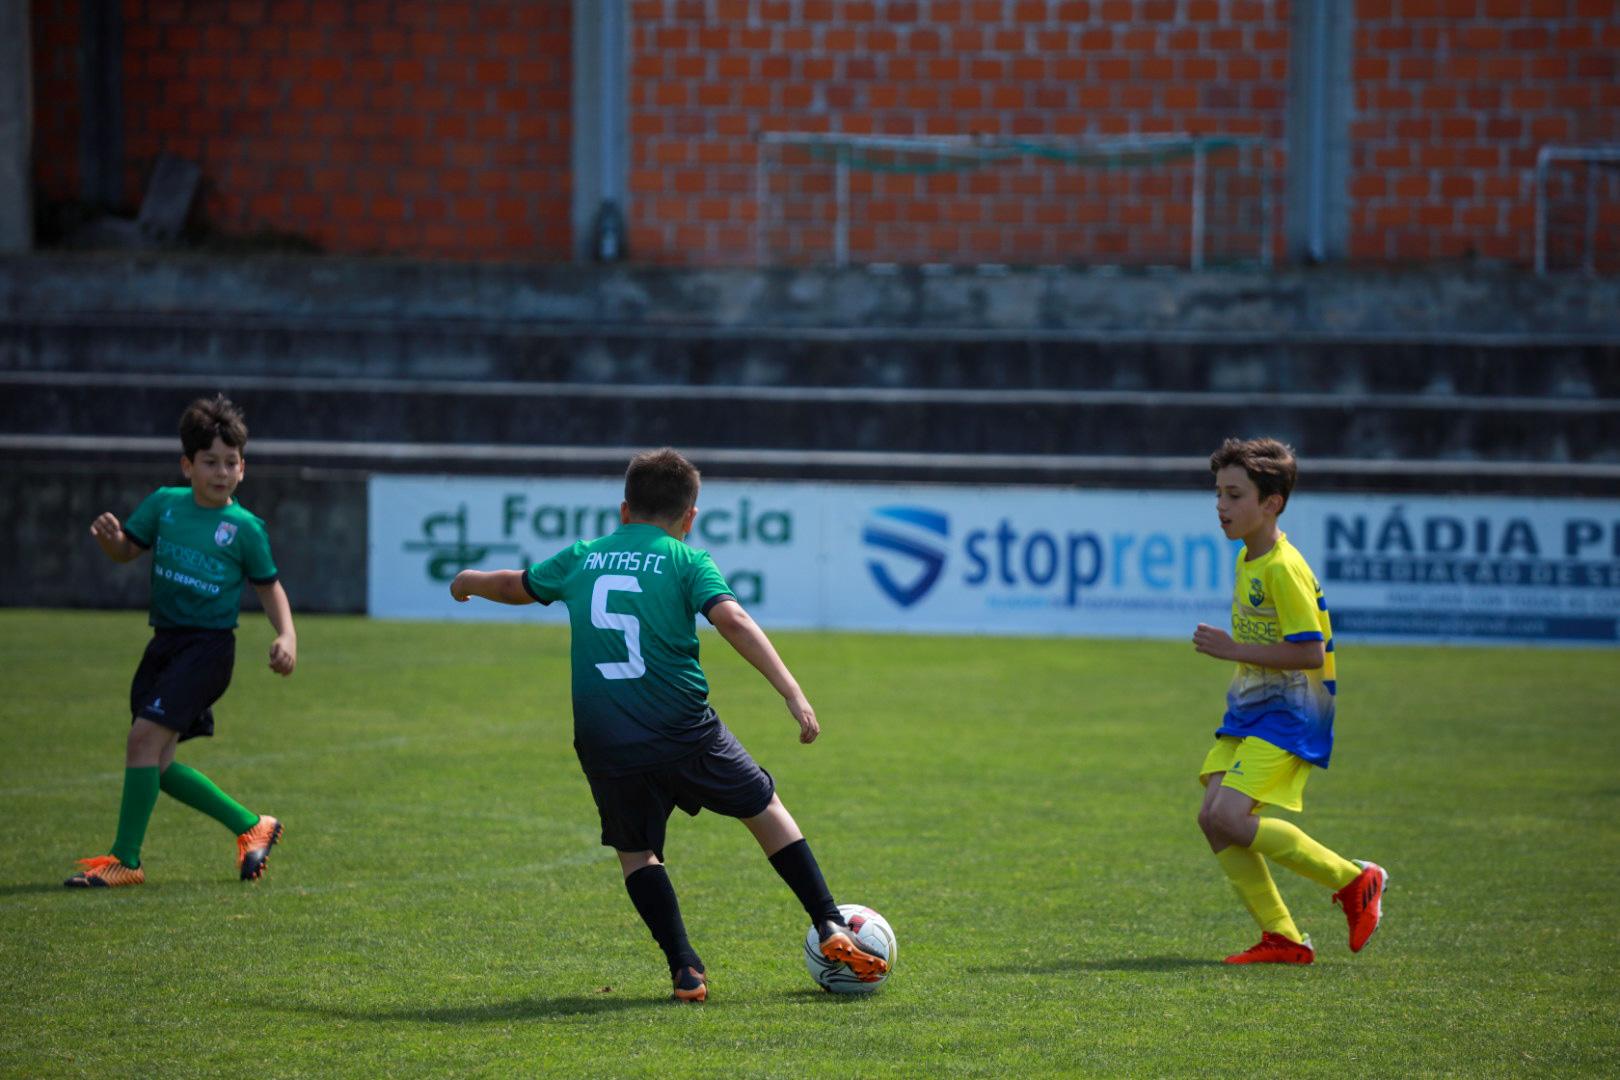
[872, 932]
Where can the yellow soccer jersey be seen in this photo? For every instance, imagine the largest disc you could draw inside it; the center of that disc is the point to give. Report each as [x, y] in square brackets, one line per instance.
[1277, 598]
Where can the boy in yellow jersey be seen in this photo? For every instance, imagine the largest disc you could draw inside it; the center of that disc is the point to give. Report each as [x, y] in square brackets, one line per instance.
[1279, 713]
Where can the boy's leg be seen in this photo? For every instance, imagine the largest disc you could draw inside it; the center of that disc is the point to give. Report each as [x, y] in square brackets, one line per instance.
[648, 884]
[790, 854]
[191, 787]
[143, 751]
[1287, 845]
[255, 834]
[1226, 810]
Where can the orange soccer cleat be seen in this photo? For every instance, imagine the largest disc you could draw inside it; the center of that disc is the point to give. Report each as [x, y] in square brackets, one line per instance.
[1275, 949]
[839, 946]
[104, 872]
[1363, 902]
[253, 847]
[691, 985]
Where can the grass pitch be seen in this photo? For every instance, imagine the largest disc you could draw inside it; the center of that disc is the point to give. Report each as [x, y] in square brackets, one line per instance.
[1021, 810]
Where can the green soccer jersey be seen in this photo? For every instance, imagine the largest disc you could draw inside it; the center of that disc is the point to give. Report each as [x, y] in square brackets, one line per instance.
[200, 555]
[640, 697]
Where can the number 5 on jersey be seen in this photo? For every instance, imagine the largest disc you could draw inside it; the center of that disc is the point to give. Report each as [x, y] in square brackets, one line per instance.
[628, 625]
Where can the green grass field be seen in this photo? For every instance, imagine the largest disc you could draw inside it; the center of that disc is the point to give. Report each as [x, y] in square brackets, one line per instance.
[1021, 810]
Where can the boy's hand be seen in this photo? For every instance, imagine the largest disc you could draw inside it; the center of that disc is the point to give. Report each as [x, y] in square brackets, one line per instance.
[284, 654]
[1213, 641]
[107, 529]
[806, 716]
[458, 588]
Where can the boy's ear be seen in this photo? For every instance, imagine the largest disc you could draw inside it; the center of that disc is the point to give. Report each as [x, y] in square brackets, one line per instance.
[185, 466]
[686, 521]
[624, 513]
[1274, 504]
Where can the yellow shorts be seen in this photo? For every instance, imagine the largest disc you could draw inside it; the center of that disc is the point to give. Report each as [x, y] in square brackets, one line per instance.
[1265, 773]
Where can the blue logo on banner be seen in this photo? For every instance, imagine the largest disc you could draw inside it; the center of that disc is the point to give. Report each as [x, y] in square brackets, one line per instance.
[926, 557]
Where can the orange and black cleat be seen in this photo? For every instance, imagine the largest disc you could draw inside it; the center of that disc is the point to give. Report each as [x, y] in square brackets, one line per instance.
[253, 847]
[1363, 902]
[1275, 949]
[691, 985]
[840, 946]
[105, 872]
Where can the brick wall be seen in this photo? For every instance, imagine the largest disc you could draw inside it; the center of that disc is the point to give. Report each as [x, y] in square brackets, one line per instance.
[442, 128]
[708, 76]
[1454, 97]
[427, 127]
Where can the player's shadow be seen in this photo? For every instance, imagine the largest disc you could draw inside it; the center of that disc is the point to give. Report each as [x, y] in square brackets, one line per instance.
[1123, 963]
[488, 1012]
[814, 995]
[33, 887]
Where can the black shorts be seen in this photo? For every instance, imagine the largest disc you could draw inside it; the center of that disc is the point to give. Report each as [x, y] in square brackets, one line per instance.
[181, 676]
[722, 778]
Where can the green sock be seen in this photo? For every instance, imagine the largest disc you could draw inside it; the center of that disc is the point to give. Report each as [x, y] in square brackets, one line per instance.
[140, 796]
[200, 793]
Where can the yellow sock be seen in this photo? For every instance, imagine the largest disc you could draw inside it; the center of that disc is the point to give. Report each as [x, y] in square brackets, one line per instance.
[1284, 843]
[1252, 881]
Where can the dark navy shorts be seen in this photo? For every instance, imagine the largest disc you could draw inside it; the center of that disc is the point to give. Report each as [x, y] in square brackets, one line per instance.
[722, 778]
[181, 676]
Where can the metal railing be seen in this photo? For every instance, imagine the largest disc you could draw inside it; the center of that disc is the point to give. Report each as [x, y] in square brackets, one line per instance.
[847, 152]
[1592, 156]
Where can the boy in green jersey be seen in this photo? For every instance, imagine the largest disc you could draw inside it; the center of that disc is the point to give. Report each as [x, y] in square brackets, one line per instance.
[203, 546]
[643, 729]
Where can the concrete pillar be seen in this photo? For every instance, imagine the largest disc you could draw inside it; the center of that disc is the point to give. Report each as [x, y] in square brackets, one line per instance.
[101, 127]
[16, 128]
[1320, 104]
[601, 107]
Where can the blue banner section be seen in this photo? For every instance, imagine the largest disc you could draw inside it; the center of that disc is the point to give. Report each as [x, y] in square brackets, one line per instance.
[1527, 573]
[1461, 624]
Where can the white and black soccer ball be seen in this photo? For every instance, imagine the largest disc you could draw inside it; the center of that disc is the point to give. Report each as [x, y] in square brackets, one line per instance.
[872, 933]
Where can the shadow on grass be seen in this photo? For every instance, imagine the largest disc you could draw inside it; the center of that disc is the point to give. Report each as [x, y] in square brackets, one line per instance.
[1126, 963]
[32, 887]
[489, 1012]
[816, 995]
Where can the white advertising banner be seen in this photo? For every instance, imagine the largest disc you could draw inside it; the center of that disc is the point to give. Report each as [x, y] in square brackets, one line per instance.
[1012, 560]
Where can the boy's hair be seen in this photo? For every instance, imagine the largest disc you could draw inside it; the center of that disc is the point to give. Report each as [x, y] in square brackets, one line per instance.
[207, 419]
[1269, 463]
[661, 485]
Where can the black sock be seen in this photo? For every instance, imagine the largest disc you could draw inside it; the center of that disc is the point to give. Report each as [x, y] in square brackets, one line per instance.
[798, 868]
[654, 897]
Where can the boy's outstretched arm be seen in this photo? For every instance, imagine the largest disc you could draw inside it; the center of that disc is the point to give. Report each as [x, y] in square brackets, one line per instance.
[109, 533]
[283, 650]
[743, 634]
[1283, 655]
[501, 586]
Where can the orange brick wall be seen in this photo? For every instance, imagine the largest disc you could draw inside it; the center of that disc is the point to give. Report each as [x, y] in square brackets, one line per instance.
[1453, 99]
[442, 128]
[422, 127]
[708, 76]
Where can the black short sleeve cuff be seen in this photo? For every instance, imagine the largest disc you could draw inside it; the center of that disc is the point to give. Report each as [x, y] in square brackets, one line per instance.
[137, 541]
[708, 605]
[262, 581]
[530, 590]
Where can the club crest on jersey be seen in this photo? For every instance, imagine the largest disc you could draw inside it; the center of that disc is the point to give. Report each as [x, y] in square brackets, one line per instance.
[1257, 592]
[225, 534]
